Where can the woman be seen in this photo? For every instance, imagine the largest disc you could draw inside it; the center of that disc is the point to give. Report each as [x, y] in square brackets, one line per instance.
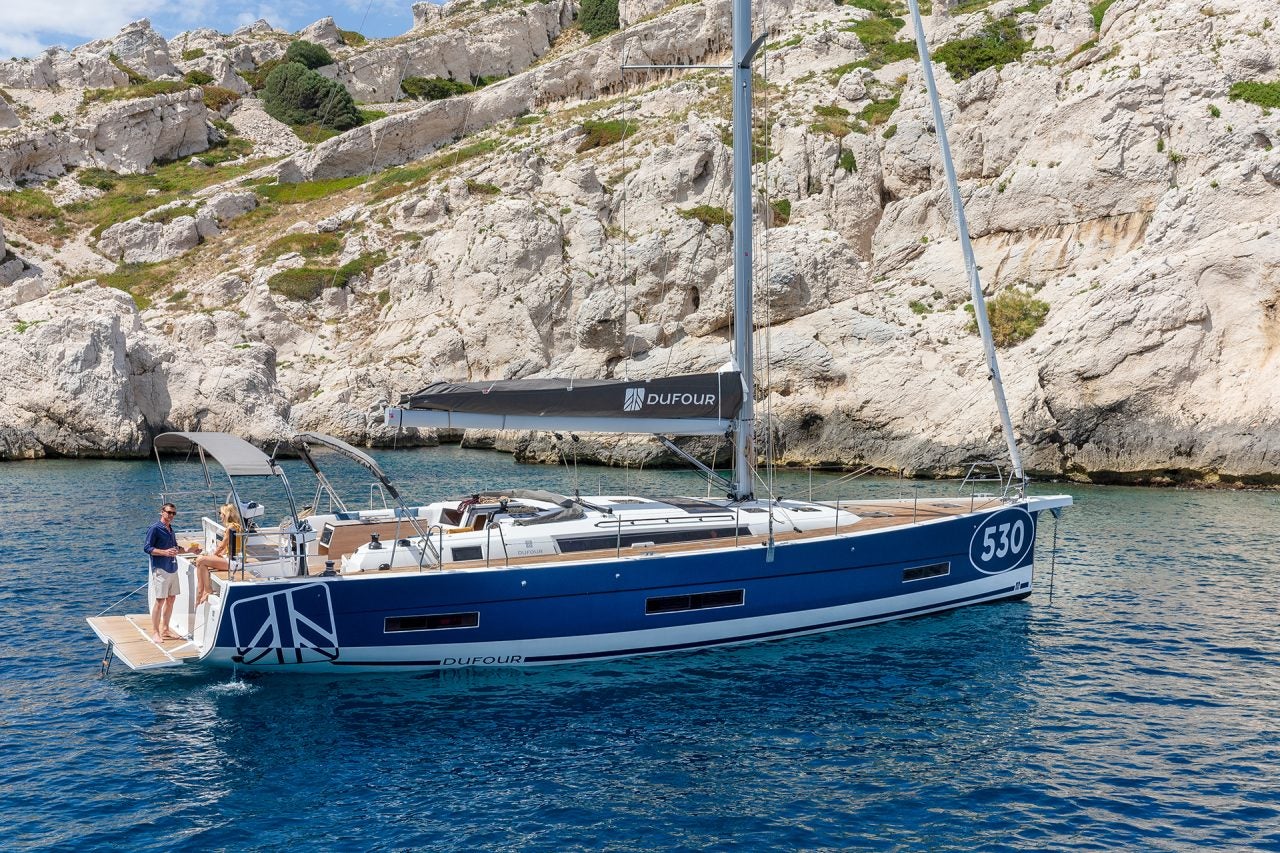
[220, 559]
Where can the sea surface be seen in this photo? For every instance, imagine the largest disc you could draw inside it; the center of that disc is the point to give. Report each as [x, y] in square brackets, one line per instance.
[1131, 703]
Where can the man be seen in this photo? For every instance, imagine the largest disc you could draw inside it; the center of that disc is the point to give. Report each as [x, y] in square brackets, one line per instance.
[162, 546]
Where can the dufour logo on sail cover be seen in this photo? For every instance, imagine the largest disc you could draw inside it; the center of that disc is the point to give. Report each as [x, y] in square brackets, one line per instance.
[636, 399]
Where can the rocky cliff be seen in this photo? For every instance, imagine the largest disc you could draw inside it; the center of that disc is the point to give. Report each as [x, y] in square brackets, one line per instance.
[1117, 162]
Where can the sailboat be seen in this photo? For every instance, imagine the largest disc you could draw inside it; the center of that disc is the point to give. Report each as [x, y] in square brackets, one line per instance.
[506, 577]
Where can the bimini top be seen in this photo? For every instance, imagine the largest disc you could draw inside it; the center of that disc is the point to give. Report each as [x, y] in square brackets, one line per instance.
[237, 457]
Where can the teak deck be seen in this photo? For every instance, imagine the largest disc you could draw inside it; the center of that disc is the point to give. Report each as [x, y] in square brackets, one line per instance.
[874, 515]
[130, 639]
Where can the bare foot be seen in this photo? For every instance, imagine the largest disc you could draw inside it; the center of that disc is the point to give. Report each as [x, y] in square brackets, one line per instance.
[169, 635]
[157, 639]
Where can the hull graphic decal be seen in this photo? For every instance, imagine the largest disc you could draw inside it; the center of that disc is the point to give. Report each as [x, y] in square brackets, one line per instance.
[289, 626]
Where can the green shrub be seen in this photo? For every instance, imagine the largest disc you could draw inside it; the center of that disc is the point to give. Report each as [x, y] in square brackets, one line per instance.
[1263, 94]
[834, 121]
[30, 203]
[873, 31]
[233, 148]
[1098, 11]
[307, 190]
[1015, 315]
[879, 35]
[708, 215]
[781, 211]
[370, 116]
[198, 78]
[351, 38]
[307, 245]
[602, 133]
[306, 283]
[847, 161]
[998, 43]
[879, 7]
[217, 97]
[480, 188]
[171, 213]
[303, 284]
[296, 95]
[307, 53]
[394, 181]
[597, 17]
[99, 179]
[193, 53]
[433, 88]
[138, 280]
[362, 265]
[877, 113]
[135, 78]
[257, 78]
[147, 89]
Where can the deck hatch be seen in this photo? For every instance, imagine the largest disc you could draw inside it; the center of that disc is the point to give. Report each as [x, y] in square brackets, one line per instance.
[695, 601]
[431, 622]
[919, 573]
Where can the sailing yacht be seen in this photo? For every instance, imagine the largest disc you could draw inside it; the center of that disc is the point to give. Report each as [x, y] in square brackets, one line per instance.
[523, 578]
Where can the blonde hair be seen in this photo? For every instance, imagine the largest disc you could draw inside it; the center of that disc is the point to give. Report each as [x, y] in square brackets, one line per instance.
[229, 516]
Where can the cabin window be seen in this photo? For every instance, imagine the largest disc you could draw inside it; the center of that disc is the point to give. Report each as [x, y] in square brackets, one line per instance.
[919, 573]
[696, 601]
[471, 552]
[431, 622]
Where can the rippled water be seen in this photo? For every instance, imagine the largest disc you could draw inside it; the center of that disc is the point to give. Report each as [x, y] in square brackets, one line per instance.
[1134, 709]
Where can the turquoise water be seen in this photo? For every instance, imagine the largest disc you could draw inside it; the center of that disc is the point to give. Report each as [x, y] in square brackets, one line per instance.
[1136, 709]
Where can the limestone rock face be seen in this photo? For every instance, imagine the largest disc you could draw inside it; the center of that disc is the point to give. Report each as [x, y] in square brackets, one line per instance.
[572, 220]
[145, 240]
[57, 67]
[498, 45]
[89, 379]
[139, 47]
[124, 136]
[8, 118]
[129, 136]
[323, 32]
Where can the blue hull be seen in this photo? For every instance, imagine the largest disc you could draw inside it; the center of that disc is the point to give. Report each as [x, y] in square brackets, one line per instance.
[645, 604]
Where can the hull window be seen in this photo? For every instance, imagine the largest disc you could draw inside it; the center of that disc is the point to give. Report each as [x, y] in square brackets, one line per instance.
[431, 622]
[697, 601]
[468, 553]
[919, 573]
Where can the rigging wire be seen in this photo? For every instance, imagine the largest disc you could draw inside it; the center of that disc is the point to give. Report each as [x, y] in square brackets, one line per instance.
[769, 449]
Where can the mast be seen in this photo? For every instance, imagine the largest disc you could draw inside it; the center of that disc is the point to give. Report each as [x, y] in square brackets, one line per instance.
[962, 228]
[744, 453]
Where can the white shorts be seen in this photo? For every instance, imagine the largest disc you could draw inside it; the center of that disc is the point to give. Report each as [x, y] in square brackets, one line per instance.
[164, 584]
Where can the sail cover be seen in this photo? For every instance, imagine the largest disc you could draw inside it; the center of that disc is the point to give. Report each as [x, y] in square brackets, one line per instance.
[702, 403]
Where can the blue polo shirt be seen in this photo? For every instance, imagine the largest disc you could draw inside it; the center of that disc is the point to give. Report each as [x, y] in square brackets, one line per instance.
[160, 537]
